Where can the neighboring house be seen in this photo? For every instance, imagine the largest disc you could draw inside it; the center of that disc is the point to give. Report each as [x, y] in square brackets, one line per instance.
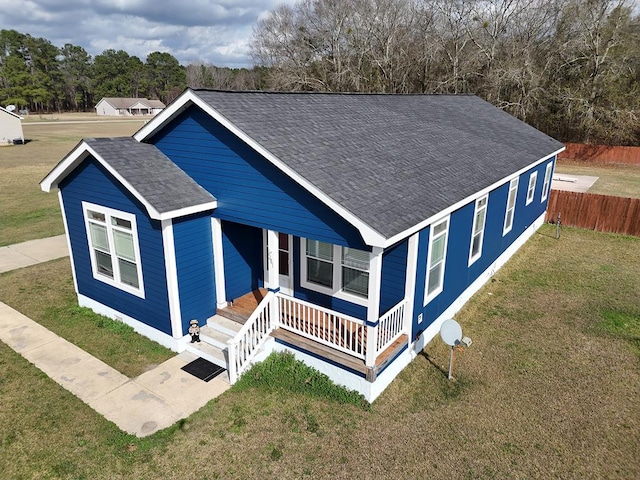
[128, 106]
[10, 128]
[358, 222]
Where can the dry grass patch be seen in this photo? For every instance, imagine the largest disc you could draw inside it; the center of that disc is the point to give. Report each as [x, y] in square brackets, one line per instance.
[616, 180]
[550, 388]
[26, 212]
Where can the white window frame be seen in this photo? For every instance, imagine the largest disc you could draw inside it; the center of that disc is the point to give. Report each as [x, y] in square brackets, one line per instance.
[116, 281]
[432, 238]
[510, 212]
[336, 290]
[531, 188]
[547, 181]
[479, 209]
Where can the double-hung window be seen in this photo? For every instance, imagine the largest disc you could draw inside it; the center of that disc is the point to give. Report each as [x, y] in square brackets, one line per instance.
[342, 272]
[511, 206]
[437, 256]
[477, 232]
[547, 181]
[114, 249]
[531, 189]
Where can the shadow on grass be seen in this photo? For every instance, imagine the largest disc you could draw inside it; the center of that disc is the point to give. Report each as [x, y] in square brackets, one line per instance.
[444, 372]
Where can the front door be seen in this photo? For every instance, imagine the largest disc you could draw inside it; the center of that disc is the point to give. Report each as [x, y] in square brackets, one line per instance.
[285, 263]
[285, 257]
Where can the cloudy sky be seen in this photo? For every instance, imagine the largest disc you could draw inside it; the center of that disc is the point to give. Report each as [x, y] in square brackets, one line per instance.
[209, 31]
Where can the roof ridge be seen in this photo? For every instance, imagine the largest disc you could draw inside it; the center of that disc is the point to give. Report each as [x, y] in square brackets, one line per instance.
[315, 92]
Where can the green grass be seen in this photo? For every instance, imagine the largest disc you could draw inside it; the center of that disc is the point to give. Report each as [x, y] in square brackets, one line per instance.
[282, 372]
[549, 389]
[45, 294]
[27, 213]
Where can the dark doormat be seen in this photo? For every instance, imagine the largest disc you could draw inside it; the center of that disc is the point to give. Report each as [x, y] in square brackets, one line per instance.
[203, 369]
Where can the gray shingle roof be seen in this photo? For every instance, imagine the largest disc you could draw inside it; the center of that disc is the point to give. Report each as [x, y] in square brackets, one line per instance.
[391, 160]
[159, 181]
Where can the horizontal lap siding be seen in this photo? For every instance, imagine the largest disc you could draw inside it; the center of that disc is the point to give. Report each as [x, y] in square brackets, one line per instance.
[249, 189]
[92, 183]
[194, 262]
[394, 271]
[458, 274]
[243, 270]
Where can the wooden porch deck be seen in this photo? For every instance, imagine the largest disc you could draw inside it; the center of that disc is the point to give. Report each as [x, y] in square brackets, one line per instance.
[244, 306]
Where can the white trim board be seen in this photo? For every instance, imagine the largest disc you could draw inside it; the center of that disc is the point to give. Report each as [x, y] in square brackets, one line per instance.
[189, 97]
[142, 328]
[82, 151]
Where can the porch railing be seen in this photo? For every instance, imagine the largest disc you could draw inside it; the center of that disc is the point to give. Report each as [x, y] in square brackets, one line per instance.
[243, 347]
[336, 330]
[328, 327]
[390, 327]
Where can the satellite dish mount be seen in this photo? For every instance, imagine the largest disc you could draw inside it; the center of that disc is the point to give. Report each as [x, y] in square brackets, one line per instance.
[451, 333]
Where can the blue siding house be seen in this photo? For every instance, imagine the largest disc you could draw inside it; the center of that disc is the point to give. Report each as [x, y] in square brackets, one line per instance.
[342, 227]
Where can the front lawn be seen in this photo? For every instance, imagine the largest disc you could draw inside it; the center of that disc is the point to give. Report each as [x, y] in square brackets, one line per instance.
[550, 388]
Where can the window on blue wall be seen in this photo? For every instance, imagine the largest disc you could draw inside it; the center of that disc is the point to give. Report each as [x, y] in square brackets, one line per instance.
[477, 232]
[114, 249]
[511, 206]
[437, 254]
[341, 272]
[547, 181]
[320, 263]
[531, 189]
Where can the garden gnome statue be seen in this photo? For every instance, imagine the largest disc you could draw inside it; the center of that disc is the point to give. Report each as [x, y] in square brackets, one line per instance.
[194, 331]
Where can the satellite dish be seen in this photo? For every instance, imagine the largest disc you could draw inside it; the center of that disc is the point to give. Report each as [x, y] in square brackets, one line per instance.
[10, 108]
[451, 332]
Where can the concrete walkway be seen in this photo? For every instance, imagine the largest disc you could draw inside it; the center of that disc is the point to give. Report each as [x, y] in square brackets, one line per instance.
[32, 252]
[155, 400]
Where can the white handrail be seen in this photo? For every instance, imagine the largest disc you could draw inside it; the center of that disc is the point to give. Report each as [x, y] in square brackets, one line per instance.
[339, 331]
[390, 327]
[255, 332]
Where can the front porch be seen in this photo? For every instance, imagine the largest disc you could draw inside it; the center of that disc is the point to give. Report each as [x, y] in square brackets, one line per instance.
[350, 343]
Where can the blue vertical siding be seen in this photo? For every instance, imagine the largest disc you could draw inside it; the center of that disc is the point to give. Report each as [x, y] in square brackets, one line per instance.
[458, 275]
[194, 262]
[92, 183]
[243, 269]
[249, 189]
[394, 272]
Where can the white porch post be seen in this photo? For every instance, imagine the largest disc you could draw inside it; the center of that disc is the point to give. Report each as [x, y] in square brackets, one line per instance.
[218, 262]
[273, 274]
[373, 306]
[172, 278]
[410, 283]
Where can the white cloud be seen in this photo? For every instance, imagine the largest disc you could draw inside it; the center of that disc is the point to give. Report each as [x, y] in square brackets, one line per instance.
[208, 31]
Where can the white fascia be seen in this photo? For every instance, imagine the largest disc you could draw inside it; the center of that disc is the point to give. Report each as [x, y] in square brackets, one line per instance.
[171, 269]
[370, 236]
[82, 151]
[416, 228]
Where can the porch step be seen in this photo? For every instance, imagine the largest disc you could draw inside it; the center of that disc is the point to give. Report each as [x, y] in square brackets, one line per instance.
[208, 352]
[224, 325]
[232, 315]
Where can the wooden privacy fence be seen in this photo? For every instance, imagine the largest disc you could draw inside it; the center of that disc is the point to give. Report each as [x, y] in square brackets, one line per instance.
[603, 213]
[601, 154]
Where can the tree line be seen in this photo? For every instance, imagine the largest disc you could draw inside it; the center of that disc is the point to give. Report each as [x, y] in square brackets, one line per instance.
[569, 67]
[37, 75]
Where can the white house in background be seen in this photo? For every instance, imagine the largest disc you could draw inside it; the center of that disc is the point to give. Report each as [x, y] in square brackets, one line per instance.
[10, 127]
[119, 106]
